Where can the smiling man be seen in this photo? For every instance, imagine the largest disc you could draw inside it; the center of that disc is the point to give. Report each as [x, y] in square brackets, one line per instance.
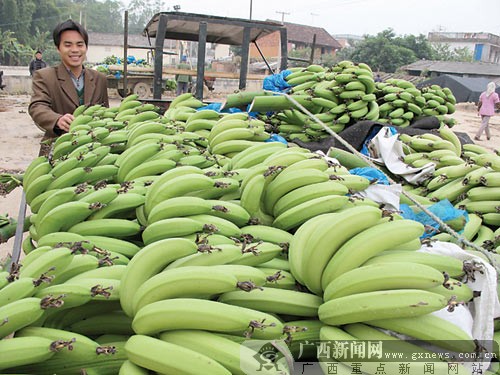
[58, 90]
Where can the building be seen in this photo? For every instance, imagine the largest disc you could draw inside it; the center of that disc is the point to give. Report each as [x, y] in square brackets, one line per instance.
[431, 69]
[347, 40]
[102, 45]
[299, 37]
[485, 47]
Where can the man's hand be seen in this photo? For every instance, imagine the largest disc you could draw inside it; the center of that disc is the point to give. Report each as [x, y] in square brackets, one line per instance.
[64, 122]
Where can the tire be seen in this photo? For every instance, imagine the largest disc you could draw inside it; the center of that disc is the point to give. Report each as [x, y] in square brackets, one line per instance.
[142, 89]
[122, 93]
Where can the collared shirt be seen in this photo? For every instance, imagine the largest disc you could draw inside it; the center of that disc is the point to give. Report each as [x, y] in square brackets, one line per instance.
[488, 103]
[78, 82]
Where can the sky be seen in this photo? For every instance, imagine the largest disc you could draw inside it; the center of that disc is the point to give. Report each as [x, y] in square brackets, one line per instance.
[360, 17]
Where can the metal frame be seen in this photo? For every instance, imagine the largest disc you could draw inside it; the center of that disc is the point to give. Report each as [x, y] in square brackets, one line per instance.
[197, 27]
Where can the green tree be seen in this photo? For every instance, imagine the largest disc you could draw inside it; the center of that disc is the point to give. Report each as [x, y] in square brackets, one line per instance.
[299, 53]
[383, 52]
[30, 22]
[103, 16]
[26, 10]
[7, 41]
[46, 15]
[140, 13]
[444, 52]
[418, 44]
[9, 15]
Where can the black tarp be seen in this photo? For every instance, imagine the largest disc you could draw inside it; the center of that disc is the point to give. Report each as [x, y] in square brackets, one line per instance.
[465, 89]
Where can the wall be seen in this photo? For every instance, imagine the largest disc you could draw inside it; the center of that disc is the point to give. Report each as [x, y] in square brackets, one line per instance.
[96, 54]
[18, 81]
[269, 45]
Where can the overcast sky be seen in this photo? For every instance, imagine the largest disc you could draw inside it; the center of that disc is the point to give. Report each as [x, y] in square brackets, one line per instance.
[360, 17]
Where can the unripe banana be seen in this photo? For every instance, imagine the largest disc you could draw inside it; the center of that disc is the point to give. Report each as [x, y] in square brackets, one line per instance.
[164, 357]
[378, 305]
[399, 275]
[183, 313]
[273, 300]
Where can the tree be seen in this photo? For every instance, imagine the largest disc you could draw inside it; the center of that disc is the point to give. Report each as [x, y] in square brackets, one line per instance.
[44, 18]
[383, 52]
[443, 51]
[104, 16]
[7, 41]
[140, 12]
[299, 53]
[387, 52]
[418, 44]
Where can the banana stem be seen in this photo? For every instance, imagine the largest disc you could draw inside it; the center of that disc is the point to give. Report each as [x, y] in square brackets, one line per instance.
[241, 99]
[461, 240]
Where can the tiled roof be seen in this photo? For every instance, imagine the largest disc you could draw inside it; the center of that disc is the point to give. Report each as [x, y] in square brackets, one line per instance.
[116, 39]
[457, 67]
[304, 34]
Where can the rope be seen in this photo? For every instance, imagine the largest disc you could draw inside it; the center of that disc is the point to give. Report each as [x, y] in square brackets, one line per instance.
[460, 239]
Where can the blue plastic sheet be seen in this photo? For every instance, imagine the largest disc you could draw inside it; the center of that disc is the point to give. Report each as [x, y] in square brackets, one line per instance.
[373, 174]
[217, 107]
[442, 209]
[276, 82]
[277, 138]
[213, 106]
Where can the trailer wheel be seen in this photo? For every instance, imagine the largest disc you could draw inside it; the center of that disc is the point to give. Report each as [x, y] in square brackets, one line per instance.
[122, 92]
[142, 89]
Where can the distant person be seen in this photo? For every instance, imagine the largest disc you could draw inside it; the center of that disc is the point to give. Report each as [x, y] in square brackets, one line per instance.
[182, 80]
[37, 63]
[378, 78]
[486, 108]
[59, 90]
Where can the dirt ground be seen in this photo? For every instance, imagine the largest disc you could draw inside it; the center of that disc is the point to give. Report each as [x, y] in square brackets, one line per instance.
[19, 143]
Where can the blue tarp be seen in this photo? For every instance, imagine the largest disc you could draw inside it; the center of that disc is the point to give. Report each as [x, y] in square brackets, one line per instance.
[217, 106]
[277, 138]
[373, 174]
[276, 82]
[442, 209]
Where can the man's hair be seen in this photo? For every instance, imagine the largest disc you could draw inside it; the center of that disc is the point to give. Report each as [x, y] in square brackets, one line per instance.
[69, 25]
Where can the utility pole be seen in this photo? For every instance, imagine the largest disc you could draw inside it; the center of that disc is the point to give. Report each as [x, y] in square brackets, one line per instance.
[250, 18]
[283, 15]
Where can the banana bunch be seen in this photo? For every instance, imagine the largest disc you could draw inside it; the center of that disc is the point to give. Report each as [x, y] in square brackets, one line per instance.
[291, 186]
[400, 102]
[343, 95]
[229, 135]
[338, 97]
[89, 211]
[50, 351]
[466, 175]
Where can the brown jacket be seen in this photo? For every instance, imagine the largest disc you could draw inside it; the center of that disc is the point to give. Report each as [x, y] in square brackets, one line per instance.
[54, 95]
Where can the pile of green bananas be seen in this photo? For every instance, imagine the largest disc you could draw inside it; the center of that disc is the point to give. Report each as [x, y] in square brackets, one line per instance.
[168, 243]
[401, 102]
[467, 175]
[341, 96]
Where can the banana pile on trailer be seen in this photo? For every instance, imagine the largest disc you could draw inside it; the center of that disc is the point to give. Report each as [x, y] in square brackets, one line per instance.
[170, 243]
[341, 96]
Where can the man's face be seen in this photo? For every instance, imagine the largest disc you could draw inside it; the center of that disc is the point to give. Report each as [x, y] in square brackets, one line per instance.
[72, 49]
[38, 56]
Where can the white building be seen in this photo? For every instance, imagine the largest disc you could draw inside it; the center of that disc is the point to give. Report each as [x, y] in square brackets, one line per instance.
[485, 47]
